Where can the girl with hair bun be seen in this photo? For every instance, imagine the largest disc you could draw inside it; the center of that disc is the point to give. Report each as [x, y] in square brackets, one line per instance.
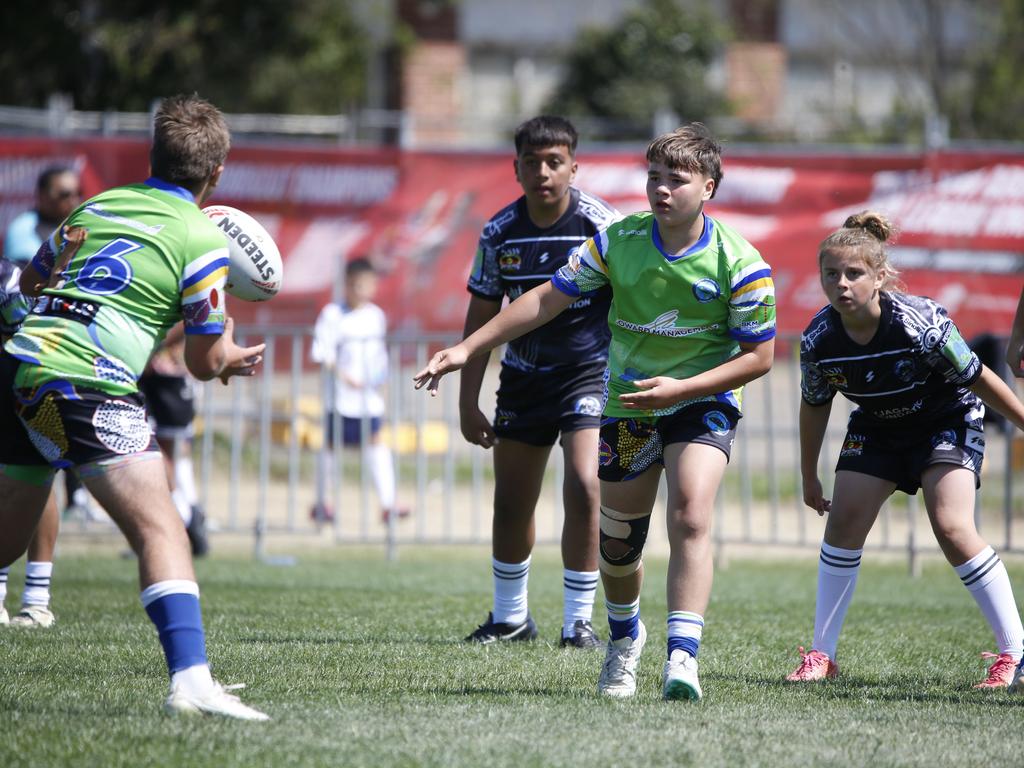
[919, 391]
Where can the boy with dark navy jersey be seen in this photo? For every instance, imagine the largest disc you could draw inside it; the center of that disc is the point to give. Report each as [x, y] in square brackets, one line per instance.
[550, 387]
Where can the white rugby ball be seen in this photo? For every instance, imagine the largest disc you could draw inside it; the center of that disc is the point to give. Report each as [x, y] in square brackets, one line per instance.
[255, 271]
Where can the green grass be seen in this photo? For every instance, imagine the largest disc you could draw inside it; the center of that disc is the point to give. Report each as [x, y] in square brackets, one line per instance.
[359, 663]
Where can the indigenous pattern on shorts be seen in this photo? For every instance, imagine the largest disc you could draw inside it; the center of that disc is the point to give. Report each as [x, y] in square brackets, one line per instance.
[70, 425]
[514, 255]
[916, 369]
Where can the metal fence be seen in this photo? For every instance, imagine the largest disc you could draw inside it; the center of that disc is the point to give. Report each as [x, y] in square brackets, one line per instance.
[257, 440]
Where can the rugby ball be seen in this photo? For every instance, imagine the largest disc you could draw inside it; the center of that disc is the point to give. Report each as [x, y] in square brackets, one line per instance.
[255, 270]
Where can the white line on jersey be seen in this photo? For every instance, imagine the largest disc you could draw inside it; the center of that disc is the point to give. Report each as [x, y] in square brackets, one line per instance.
[573, 238]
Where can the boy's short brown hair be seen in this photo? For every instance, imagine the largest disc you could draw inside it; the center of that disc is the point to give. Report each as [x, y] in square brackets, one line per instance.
[190, 140]
[690, 148]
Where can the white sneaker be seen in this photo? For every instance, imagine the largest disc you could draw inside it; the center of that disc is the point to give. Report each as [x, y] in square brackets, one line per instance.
[679, 678]
[618, 675]
[217, 701]
[4, 618]
[33, 616]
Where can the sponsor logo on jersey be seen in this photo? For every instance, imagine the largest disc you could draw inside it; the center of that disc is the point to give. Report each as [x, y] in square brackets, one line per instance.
[543, 257]
[581, 303]
[869, 376]
[588, 405]
[706, 290]
[853, 445]
[934, 337]
[957, 351]
[835, 377]
[905, 369]
[510, 260]
[495, 225]
[632, 232]
[898, 413]
[717, 422]
[665, 325]
[575, 261]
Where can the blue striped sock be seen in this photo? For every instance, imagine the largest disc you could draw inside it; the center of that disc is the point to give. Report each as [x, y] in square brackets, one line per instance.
[684, 632]
[624, 619]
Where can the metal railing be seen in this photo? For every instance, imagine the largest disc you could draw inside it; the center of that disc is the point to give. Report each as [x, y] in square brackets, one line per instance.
[256, 448]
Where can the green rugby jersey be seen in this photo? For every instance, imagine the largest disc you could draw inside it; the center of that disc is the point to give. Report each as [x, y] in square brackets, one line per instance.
[670, 315]
[150, 259]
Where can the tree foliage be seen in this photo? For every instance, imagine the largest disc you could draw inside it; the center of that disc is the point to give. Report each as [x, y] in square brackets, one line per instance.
[997, 98]
[656, 58]
[244, 55]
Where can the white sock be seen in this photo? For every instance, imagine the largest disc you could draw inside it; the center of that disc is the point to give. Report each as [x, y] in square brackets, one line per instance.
[185, 479]
[3, 584]
[382, 468]
[510, 582]
[195, 681]
[837, 578]
[986, 579]
[37, 583]
[578, 590]
[181, 504]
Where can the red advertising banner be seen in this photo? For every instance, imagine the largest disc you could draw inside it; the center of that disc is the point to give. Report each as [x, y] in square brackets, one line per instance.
[417, 216]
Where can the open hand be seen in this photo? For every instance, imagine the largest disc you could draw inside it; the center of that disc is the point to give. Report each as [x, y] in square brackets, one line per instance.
[240, 361]
[659, 392]
[443, 362]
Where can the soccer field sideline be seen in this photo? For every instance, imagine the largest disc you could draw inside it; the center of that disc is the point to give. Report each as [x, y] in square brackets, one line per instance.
[359, 662]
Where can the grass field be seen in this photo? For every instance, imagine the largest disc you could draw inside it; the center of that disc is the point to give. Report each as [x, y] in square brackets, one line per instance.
[359, 663]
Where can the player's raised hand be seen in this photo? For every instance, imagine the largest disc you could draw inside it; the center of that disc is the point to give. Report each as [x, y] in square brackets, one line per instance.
[443, 362]
[814, 497]
[659, 392]
[239, 361]
[476, 427]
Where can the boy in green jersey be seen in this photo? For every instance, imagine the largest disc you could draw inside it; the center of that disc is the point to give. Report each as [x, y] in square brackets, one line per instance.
[692, 320]
[122, 269]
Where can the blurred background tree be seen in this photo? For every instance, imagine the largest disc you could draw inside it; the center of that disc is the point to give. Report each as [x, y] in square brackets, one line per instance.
[302, 56]
[656, 58]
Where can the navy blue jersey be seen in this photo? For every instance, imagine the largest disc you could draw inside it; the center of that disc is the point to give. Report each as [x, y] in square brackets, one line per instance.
[514, 255]
[915, 370]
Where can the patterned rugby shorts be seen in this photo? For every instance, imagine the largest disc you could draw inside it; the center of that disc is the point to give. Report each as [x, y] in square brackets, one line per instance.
[71, 425]
[901, 454]
[15, 446]
[534, 408]
[631, 446]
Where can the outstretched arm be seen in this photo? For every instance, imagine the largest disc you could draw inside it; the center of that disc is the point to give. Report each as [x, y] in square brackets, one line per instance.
[209, 356]
[813, 423]
[529, 311]
[995, 393]
[751, 362]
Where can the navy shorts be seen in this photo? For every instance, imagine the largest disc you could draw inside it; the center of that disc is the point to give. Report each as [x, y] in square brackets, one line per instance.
[536, 407]
[900, 454]
[630, 446]
[169, 401]
[15, 446]
[351, 429]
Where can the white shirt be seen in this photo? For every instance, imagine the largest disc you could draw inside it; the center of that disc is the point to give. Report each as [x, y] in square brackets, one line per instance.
[351, 343]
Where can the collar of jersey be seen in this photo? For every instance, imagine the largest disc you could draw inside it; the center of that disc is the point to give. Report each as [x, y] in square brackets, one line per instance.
[701, 244]
[171, 189]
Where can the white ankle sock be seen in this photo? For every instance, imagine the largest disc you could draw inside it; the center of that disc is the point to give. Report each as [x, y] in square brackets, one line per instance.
[194, 681]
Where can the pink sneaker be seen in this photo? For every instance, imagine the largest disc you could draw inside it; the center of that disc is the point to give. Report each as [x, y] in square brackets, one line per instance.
[1000, 674]
[814, 665]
